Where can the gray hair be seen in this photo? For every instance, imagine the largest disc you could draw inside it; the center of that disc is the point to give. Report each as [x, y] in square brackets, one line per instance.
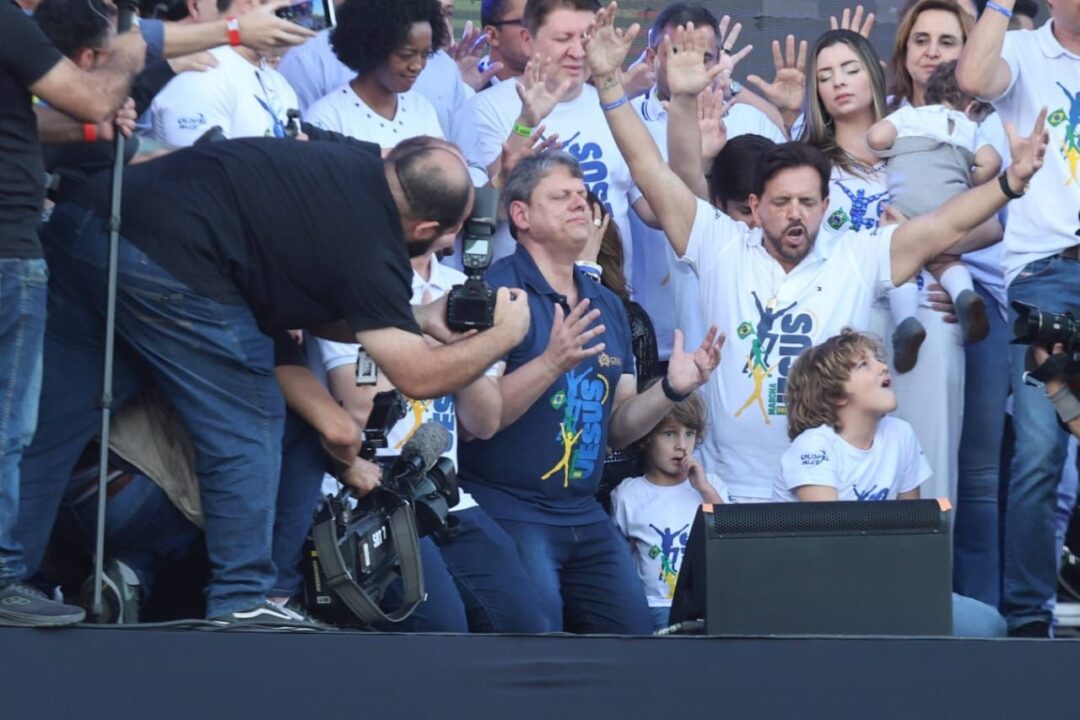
[527, 175]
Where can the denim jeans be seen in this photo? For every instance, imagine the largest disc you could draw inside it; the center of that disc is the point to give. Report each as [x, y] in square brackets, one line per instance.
[23, 285]
[303, 464]
[142, 525]
[210, 361]
[475, 583]
[975, 619]
[976, 559]
[1030, 575]
[584, 577]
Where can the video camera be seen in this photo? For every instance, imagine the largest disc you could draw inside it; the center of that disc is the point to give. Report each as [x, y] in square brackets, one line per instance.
[471, 306]
[1034, 327]
[360, 547]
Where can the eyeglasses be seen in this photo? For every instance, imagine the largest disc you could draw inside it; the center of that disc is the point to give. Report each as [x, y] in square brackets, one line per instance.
[515, 21]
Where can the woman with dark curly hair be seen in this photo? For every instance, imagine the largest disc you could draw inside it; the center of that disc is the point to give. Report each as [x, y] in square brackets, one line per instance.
[387, 43]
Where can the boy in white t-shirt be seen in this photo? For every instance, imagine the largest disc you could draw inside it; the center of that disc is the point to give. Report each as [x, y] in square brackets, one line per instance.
[846, 447]
[655, 511]
[934, 152]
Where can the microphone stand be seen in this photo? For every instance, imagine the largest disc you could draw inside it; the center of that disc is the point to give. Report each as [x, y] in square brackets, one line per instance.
[125, 19]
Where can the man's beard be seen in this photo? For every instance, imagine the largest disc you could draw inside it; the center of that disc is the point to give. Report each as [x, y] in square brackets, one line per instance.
[788, 253]
[416, 248]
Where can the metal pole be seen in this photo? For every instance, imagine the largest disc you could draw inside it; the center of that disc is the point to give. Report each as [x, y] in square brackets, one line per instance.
[127, 9]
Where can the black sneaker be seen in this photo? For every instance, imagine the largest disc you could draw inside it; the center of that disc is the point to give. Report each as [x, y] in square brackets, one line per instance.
[266, 614]
[25, 606]
[297, 608]
[121, 593]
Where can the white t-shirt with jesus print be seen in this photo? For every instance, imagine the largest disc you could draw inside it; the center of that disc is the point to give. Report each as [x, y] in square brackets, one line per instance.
[893, 464]
[583, 133]
[771, 316]
[656, 520]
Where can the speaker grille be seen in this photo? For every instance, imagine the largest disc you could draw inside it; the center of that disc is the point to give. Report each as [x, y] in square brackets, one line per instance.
[827, 518]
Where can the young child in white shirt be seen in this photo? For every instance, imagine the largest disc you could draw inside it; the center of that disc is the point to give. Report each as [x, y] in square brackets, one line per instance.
[846, 447]
[654, 511]
[934, 152]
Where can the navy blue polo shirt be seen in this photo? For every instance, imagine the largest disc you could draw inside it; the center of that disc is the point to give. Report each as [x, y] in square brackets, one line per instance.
[546, 467]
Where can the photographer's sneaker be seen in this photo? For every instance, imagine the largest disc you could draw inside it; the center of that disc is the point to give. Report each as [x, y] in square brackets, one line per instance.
[266, 614]
[25, 606]
[906, 341]
[120, 594]
[971, 312]
[297, 608]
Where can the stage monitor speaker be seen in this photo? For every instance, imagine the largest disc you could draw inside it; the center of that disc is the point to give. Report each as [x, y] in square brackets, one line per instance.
[818, 568]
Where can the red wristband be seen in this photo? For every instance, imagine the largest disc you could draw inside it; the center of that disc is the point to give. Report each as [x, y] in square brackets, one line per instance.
[89, 133]
[233, 26]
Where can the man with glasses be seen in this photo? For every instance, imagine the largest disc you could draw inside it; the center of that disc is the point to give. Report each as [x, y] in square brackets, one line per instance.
[508, 40]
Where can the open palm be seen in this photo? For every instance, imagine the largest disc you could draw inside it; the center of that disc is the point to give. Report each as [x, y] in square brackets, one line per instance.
[538, 90]
[684, 55]
[607, 46]
[1028, 152]
[788, 87]
[687, 371]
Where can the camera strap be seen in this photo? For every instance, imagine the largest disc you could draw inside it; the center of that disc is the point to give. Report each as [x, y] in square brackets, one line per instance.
[341, 581]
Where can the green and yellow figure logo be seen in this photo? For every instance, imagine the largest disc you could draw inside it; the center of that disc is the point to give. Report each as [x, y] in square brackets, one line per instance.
[756, 369]
[1070, 145]
[581, 427]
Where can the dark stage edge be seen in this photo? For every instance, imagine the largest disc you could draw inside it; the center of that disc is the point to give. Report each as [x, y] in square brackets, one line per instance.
[148, 673]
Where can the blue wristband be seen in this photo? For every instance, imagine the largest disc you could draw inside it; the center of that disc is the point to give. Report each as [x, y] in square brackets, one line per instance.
[618, 103]
[991, 5]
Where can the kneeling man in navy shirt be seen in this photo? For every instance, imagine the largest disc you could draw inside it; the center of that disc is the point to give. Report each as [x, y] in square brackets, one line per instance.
[563, 395]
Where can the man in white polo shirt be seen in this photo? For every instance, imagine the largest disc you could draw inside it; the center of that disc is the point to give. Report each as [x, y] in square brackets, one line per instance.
[1022, 72]
[764, 287]
[557, 28]
[243, 95]
[660, 283]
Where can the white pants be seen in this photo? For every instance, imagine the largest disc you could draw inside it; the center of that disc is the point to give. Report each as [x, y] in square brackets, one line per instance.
[931, 396]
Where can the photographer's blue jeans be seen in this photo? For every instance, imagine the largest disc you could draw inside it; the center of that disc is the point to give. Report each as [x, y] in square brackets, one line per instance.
[303, 464]
[143, 527]
[475, 583]
[23, 286]
[209, 359]
[1031, 552]
[976, 558]
[584, 577]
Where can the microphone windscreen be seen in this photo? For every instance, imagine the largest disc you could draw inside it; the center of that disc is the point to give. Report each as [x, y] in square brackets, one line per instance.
[428, 443]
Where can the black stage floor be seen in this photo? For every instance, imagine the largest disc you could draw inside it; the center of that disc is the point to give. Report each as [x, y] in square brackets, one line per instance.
[91, 672]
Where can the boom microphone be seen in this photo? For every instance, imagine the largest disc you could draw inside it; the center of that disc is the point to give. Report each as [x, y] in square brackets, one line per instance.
[423, 450]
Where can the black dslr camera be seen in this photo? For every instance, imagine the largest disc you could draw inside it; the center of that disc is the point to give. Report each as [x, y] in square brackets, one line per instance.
[471, 306]
[1034, 327]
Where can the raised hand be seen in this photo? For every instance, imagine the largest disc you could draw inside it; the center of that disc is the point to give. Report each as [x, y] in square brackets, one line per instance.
[728, 60]
[711, 108]
[853, 21]
[517, 148]
[569, 335]
[467, 53]
[262, 29]
[639, 79]
[1027, 153]
[538, 91]
[689, 371]
[606, 46]
[788, 88]
[684, 56]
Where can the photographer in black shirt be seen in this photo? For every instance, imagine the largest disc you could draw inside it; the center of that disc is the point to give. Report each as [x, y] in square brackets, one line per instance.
[221, 244]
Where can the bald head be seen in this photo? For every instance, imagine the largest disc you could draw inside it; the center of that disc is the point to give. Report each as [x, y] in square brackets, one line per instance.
[434, 181]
